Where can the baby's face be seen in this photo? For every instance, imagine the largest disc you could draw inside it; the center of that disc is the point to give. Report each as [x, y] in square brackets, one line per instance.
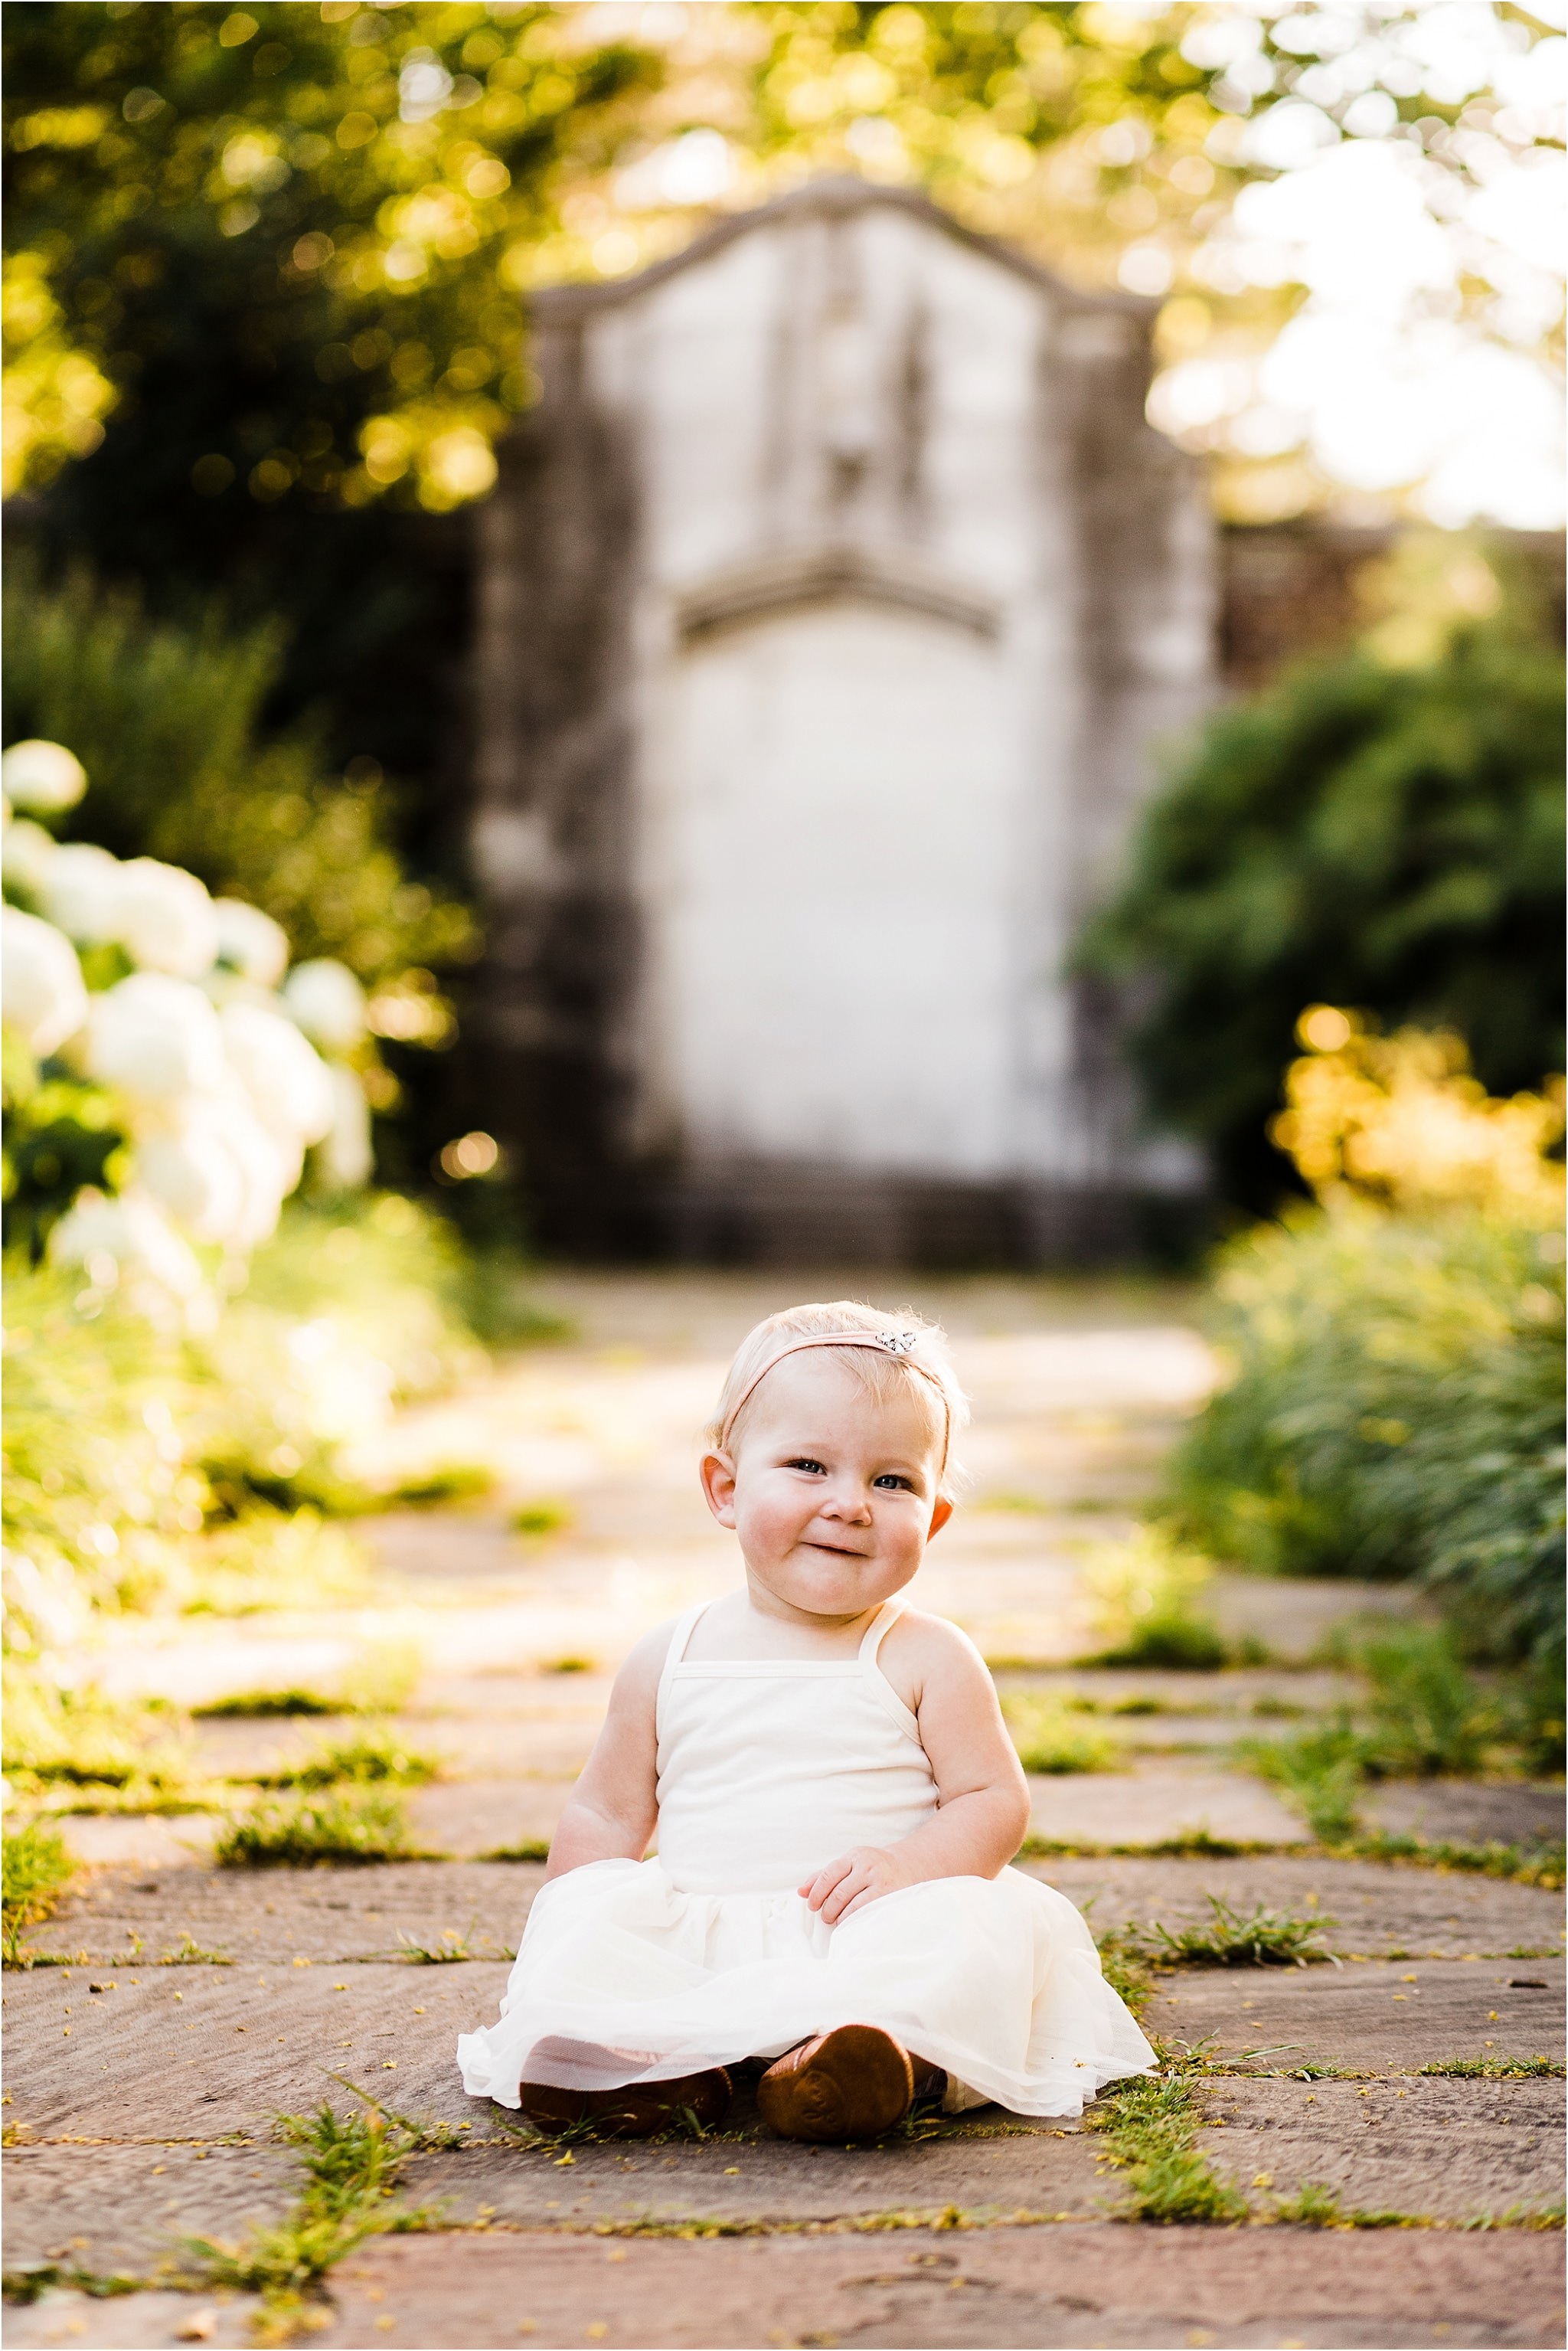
[833, 1493]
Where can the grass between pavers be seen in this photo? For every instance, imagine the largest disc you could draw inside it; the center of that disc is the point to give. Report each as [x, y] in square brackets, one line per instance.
[37, 1871]
[1544, 1864]
[348, 1824]
[352, 2165]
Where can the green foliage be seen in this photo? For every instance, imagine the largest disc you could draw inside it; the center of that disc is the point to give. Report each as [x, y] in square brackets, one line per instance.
[373, 1755]
[1320, 1770]
[1394, 1411]
[449, 1482]
[1267, 1939]
[1361, 835]
[1316, 2205]
[1144, 1594]
[351, 2166]
[262, 1705]
[343, 1825]
[37, 1868]
[169, 720]
[541, 1519]
[1495, 2069]
[1052, 1739]
[63, 1738]
[1150, 2125]
[144, 1466]
[1180, 1642]
[1425, 1713]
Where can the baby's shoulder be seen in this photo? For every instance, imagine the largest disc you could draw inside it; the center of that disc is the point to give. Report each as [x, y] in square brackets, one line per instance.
[919, 1647]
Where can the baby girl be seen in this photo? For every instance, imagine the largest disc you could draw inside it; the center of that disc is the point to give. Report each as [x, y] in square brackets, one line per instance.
[835, 1800]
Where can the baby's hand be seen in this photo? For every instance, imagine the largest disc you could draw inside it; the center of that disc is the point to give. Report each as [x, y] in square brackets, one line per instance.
[854, 1879]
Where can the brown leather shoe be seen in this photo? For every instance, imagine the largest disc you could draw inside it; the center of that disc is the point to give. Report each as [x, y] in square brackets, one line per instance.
[638, 2110]
[851, 2084]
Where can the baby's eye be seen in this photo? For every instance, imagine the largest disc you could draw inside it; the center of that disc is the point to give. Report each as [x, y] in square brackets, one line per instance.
[804, 1461]
[896, 1479]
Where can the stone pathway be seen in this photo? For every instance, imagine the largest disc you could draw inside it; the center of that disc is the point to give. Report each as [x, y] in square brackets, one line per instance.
[141, 2094]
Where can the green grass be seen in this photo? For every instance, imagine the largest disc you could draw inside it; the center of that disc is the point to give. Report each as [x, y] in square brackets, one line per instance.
[1266, 1939]
[531, 1849]
[540, 1517]
[352, 2164]
[1542, 1864]
[1180, 1644]
[569, 1666]
[262, 1705]
[1149, 2126]
[1315, 2206]
[452, 1946]
[374, 1755]
[439, 1487]
[351, 1825]
[38, 1869]
[189, 1953]
[1495, 2069]
[1051, 1737]
[1123, 1963]
[1320, 1770]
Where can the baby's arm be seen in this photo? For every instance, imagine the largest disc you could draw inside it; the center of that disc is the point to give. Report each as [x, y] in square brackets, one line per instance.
[613, 1810]
[981, 1793]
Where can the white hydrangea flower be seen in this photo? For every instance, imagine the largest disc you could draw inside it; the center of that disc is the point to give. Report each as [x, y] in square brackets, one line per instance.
[347, 1159]
[156, 1037]
[328, 1002]
[38, 775]
[193, 1172]
[166, 920]
[130, 1228]
[289, 1084]
[42, 993]
[250, 942]
[25, 849]
[79, 892]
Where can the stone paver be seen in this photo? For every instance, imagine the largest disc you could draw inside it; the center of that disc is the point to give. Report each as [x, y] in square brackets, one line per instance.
[1376, 2014]
[124, 2210]
[1089, 2285]
[1448, 2149]
[194, 2052]
[64, 2320]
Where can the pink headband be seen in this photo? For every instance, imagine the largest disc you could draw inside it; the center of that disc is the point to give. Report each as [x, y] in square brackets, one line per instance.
[901, 1344]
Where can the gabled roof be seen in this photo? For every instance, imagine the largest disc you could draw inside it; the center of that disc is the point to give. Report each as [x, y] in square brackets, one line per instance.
[827, 198]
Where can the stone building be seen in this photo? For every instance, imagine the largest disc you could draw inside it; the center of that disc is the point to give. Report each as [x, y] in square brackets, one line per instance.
[834, 602]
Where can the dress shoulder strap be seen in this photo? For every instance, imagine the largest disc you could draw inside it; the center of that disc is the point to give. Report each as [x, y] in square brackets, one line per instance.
[680, 1637]
[880, 1624]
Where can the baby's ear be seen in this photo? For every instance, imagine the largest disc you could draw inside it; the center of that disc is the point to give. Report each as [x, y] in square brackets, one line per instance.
[717, 1475]
[941, 1512]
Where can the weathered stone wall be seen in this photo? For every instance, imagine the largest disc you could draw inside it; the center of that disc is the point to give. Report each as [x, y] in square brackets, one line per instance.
[834, 595]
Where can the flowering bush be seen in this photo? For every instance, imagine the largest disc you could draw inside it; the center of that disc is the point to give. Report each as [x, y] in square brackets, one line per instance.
[163, 1088]
[1395, 1401]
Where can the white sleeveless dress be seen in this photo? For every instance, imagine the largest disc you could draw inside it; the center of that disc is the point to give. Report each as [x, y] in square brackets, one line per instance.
[768, 1768]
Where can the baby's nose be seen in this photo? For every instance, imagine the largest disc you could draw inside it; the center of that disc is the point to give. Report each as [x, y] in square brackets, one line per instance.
[850, 1502]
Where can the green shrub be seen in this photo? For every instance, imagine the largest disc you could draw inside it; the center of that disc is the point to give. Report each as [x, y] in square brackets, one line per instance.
[1382, 837]
[1051, 1737]
[352, 1824]
[1144, 1596]
[373, 1755]
[37, 1868]
[168, 720]
[1394, 1411]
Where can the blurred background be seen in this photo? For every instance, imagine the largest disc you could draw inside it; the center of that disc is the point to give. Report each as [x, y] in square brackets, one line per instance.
[895, 645]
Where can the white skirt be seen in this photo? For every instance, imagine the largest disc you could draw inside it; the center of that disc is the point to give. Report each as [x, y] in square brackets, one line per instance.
[995, 1981]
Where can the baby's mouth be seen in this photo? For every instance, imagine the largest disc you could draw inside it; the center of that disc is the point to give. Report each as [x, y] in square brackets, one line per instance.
[836, 1551]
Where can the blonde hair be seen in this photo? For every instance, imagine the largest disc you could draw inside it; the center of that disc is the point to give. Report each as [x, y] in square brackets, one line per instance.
[889, 1354]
